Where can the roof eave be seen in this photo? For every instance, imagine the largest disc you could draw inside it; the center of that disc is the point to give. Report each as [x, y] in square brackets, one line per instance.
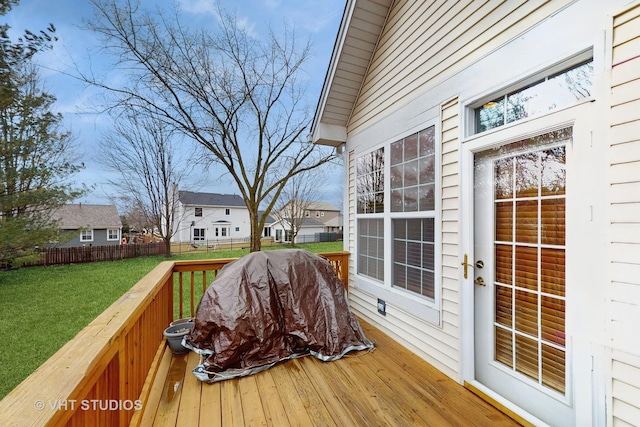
[316, 126]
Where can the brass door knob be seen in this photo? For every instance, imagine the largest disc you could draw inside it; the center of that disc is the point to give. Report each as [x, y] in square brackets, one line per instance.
[480, 281]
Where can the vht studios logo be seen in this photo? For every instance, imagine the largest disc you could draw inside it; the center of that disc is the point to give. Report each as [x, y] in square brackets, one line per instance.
[89, 405]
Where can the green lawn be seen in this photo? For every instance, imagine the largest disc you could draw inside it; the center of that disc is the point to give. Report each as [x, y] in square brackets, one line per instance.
[41, 308]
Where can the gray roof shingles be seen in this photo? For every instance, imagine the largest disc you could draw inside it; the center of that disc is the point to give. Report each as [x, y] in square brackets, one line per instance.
[76, 216]
[210, 199]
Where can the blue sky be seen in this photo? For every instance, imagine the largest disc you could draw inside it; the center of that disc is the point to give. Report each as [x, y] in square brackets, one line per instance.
[317, 19]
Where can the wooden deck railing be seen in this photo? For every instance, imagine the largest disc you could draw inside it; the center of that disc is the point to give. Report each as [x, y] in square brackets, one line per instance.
[100, 377]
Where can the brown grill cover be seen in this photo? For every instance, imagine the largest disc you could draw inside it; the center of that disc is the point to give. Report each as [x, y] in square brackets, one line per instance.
[271, 306]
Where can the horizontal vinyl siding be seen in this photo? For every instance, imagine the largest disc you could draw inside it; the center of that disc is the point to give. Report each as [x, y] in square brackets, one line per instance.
[625, 370]
[351, 214]
[450, 218]
[625, 180]
[624, 233]
[425, 43]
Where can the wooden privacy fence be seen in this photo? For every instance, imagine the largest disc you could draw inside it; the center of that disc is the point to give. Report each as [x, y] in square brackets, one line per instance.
[81, 254]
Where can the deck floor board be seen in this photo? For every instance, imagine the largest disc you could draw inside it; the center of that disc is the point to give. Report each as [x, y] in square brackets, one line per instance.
[387, 386]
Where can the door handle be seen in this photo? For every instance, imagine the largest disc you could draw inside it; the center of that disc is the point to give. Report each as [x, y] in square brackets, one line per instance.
[466, 265]
[479, 281]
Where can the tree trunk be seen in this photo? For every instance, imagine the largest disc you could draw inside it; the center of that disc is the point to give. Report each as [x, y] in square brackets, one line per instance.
[256, 235]
[167, 244]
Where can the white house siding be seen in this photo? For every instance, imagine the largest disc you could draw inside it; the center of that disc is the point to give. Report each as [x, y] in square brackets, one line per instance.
[424, 43]
[238, 217]
[349, 240]
[450, 225]
[624, 300]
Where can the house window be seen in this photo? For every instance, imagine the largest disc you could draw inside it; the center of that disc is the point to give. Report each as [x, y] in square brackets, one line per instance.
[547, 93]
[410, 210]
[267, 232]
[86, 236]
[198, 212]
[237, 229]
[198, 234]
[370, 182]
[413, 255]
[317, 214]
[227, 211]
[307, 214]
[371, 248]
[113, 234]
[224, 231]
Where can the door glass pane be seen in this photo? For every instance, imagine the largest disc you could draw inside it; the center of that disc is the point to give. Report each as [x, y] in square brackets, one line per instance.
[529, 248]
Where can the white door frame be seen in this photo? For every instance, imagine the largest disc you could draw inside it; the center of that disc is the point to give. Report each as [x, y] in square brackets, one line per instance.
[576, 116]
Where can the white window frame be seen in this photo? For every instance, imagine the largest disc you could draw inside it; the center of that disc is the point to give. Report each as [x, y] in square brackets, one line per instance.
[117, 234]
[411, 302]
[83, 235]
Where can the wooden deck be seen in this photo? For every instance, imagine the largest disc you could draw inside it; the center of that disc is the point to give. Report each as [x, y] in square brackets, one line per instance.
[388, 386]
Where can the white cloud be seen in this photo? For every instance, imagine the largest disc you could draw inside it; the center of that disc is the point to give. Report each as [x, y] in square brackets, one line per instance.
[199, 7]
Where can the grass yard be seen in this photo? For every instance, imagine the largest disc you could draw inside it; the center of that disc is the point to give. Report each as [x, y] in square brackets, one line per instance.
[41, 308]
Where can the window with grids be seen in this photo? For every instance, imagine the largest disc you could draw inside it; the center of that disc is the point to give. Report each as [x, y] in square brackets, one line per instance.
[412, 185]
[413, 172]
[197, 212]
[86, 235]
[530, 262]
[370, 200]
[413, 255]
[411, 210]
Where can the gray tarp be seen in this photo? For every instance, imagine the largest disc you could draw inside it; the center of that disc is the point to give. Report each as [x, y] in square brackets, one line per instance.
[270, 306]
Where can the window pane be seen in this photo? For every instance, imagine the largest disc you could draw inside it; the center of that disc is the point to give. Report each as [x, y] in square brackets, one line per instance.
[490, 115]
[427, 169]
[550, 93]
[371, 248]
[415, 166]
[427, 142]
[411, 147]
[426, 197]
[397, 152]
[413, 255]
[370, 182]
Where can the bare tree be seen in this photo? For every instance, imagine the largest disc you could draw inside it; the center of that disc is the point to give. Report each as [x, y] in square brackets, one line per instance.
[296, 200]
[241, 98]
[142, 151]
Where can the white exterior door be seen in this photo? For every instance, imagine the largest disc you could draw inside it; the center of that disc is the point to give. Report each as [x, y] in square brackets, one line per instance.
[521, 351]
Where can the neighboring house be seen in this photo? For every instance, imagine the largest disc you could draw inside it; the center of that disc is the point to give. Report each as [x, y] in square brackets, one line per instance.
[309, 229]
[207, 218]
[327, 214]
[82, 224]
[267, 232]
[492, 194]
[312, 217]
